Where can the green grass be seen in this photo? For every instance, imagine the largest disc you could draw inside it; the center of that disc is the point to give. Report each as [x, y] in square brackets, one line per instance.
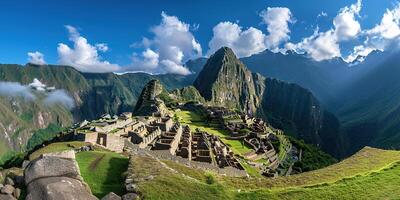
[370, 174]
[56, 147]
[103, 171]
[194, 120]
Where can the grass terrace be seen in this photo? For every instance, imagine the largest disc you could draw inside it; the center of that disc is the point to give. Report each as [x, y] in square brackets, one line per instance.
[370, 174]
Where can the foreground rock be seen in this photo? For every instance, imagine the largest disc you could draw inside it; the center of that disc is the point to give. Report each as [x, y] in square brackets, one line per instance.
[56, 177]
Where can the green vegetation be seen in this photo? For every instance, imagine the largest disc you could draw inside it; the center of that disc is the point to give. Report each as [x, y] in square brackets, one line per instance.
[370, 174]
[194, 120]
[42, 135]
[312, 158]
[56, 147]
[103, 171]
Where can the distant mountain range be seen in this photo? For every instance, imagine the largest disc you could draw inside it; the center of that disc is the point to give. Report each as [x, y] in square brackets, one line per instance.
[364, 96]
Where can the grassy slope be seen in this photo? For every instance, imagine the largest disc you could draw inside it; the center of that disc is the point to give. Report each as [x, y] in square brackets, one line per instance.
[370, 174]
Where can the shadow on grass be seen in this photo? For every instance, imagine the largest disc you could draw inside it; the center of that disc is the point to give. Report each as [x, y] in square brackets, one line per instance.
[114, 179]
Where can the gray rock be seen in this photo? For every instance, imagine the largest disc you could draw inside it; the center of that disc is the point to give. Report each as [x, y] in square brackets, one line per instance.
[25, 164]
[130, 196]
[51, 167]
[128, 180]
[58, 188]
[111, 196]
[17, 193]
[7, 197]
[7, 189]
[131, 187]
[148, 178]
[1, 186]
[9, 181]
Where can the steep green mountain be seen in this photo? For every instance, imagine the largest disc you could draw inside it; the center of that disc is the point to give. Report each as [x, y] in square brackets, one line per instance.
[225, 80]
[370, 109]
[94, 94]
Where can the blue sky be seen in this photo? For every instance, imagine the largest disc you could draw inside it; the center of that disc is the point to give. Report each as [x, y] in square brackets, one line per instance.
[30, 26]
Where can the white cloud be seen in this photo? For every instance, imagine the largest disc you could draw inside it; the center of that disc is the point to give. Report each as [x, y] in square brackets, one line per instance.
[359, 53]
[36, 58]
[389, 25]
[103, 47]
[383, 36]
[37, 85]
[320, 46]
[14, 89]
[277, 20]
[83, 56]
[346, 26]
[172, 44]
[322, 14]
[59, 97]
[242, 42]
[325, 45]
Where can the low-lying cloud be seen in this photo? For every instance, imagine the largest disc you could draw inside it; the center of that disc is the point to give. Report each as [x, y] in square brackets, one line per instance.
[59, 97]
[14, 89]
[27, 92]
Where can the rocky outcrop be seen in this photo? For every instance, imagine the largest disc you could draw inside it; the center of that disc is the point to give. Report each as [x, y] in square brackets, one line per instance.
[55, 177]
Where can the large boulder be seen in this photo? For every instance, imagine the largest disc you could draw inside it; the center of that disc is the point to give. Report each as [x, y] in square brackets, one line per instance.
[58, 188]
[56, 176]
[51, 166]
[7, 197]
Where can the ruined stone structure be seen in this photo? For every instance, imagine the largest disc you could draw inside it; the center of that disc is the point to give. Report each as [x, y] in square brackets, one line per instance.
[169, 140]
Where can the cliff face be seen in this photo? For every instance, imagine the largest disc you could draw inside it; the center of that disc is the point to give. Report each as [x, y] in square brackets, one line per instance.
[225, 80]
[296, 111]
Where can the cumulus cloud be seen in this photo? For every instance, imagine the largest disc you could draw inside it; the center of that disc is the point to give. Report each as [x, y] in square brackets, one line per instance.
[277, 20]
[59, 97]
[383, 36]
[346, 26]
[36, 58]
[325, 45]
[242, 42]
[14, 89]
[173, 43]
[389, 25]
[83, 56]
[320, 46]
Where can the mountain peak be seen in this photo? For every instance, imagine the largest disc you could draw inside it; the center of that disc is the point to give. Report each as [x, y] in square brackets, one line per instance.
[225, 80]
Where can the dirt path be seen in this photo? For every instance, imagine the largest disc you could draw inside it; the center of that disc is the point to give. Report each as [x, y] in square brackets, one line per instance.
[94, 164]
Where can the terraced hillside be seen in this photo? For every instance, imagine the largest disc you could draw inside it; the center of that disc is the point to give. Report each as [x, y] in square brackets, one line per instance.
[354, 178]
